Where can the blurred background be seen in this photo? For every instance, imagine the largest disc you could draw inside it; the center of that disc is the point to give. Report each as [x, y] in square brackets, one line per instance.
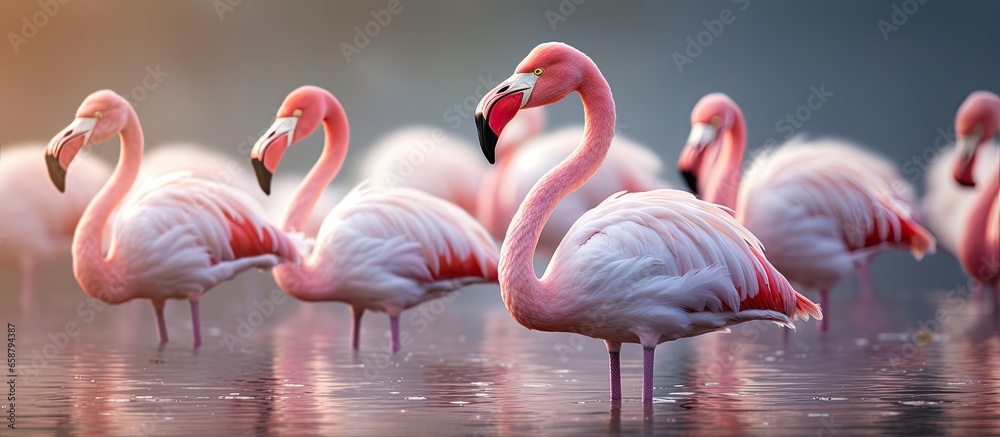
[214, 72]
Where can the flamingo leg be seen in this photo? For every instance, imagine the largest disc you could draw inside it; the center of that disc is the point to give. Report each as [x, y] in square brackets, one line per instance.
[824, 303]
[196, 323]
[614, 358]
[394, 329]
[357, 312]
[647, 374]
[161, 323]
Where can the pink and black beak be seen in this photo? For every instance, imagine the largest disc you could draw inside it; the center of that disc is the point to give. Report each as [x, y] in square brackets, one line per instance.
[267, 152]
[499, 107]
[965, 163]
[702, 136]
[65, 146]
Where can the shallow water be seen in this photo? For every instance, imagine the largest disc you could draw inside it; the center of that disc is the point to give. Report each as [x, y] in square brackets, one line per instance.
[904, 363]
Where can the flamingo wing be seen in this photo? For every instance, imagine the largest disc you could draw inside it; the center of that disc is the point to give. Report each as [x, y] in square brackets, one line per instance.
[799, 196]
[671, 264]
[404, 236]
[169, 232]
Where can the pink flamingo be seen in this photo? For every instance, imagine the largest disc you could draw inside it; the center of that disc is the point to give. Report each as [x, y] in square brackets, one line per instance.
[384, 250]
[174, 237]
[37, 222]
[628, 167]
[430, 160]
[639, 268]
[819, 210]
[427, 159]
[977, 125]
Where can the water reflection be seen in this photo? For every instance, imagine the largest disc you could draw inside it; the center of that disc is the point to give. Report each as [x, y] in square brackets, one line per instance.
[921, 363]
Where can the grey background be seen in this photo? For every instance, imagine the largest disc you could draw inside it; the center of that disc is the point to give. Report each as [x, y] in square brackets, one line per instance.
[227, 74]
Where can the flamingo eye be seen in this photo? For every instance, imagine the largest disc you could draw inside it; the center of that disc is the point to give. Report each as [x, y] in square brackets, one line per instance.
[716, 121]
[538, 71]
[98, 115]
[297, 113]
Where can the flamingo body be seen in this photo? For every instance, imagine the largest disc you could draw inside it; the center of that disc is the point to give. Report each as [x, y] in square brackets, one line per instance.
[38, 221]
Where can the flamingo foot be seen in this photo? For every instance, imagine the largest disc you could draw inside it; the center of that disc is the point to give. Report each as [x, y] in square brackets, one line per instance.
[614, 358]
[196, 323]
[647, 374]
[394, 329]
[357, 312]
[161, 323]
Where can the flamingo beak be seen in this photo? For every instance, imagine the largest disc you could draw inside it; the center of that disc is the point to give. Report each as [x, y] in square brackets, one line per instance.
[966, 162]
[267, 152]
[702, 135]
[498, 107]
[64, 147]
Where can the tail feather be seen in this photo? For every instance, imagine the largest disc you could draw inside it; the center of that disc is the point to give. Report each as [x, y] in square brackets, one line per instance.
[805, 308]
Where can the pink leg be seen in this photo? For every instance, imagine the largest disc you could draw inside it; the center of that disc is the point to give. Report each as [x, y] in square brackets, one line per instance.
[865, 282]
[394, 328]
[824, 304]
[196, 323]
[647, 374]
[614, 357]
[357, 312]
[161, 324]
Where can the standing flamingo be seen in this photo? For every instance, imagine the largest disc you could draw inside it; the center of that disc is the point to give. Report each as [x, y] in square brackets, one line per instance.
[36, 223]
[380, 249]
[820, 212]
[174, 237]
[639, 268]
[976, 126]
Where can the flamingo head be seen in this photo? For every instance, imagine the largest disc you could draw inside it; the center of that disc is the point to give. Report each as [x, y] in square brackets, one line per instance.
[713, 116]
[100, 116]
[298, 117]
[977, 123]
[548, 74]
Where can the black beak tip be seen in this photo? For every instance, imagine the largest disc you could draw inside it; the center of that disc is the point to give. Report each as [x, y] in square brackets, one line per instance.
[56, 172]
[487, 138]
[263, 175]
[691, 180]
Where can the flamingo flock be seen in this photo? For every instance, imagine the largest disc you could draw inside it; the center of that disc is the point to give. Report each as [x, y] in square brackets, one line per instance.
[629, 259]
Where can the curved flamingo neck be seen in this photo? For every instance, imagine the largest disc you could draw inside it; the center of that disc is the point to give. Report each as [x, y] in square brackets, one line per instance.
[979, 248]
[95, 273]
[722, 180]
[522, 291]
[294, 278]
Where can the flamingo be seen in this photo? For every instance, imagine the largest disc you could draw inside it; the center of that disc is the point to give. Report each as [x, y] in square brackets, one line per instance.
[174, 237]
[644, 267]
[977, 125]
[380, 249]
[629, 166]
[37, 222]
[430, 160]
[819, 210]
